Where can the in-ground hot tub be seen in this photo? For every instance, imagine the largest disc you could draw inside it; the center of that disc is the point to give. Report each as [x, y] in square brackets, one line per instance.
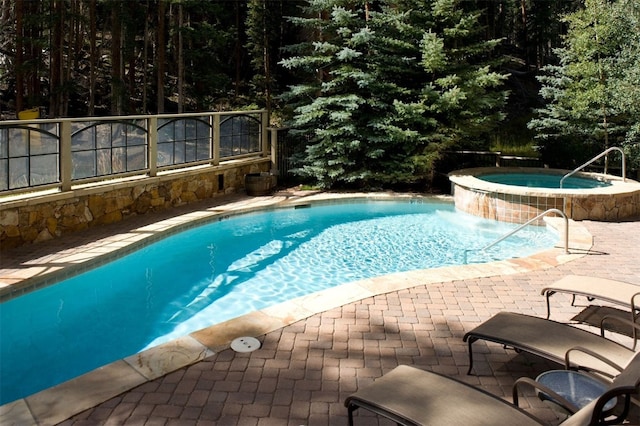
[515, 194]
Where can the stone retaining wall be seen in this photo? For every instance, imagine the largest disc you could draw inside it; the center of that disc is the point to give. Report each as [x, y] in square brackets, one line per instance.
[44, 217]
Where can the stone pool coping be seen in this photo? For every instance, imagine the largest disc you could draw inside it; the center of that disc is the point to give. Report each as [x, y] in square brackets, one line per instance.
[61, 402]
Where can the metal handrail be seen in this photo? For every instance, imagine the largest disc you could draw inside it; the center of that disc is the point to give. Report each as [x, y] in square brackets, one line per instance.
[560, 212]
[602, 154]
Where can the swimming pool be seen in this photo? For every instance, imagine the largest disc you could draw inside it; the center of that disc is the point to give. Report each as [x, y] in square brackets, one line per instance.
[227, 268]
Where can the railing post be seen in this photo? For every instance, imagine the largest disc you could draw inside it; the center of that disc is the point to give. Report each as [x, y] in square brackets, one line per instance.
[264, 123]
[152, 144]
[215, 140]
[273, 140]
[65, 155]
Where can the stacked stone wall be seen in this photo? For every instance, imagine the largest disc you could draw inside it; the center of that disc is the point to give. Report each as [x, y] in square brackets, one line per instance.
[42, 218]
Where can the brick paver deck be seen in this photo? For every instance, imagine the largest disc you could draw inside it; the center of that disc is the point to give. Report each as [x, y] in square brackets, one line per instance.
[303, 372]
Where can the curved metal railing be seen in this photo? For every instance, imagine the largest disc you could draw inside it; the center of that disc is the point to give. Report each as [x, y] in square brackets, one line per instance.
[597, 157]
[544, 213]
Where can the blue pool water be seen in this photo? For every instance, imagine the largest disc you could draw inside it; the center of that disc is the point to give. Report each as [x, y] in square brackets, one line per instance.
[228, 268]
[538, 180]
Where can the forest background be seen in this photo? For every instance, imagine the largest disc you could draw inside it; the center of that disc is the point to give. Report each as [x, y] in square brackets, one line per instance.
[377, 90]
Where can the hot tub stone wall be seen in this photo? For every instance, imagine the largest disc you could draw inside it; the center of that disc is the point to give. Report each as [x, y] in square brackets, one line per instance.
[604, 207]
[50, 216]
[521, 208]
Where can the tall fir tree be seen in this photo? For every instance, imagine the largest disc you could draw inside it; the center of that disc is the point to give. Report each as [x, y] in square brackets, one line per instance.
[389, 86]
[591, 103]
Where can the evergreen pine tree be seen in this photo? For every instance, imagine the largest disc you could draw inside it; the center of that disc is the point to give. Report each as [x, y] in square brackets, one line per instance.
[590, 94]
[389, 86]
[463, 95]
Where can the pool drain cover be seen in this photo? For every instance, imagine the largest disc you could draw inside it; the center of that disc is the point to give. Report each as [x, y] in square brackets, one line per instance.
[245, 344]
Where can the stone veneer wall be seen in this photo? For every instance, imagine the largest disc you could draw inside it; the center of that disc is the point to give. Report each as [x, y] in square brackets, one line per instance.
[41, 218]
[605, 207]
[516, 208]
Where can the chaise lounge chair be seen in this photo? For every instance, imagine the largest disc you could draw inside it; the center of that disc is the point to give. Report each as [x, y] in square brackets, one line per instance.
[620, 293]
[410, 396]
[552, 340]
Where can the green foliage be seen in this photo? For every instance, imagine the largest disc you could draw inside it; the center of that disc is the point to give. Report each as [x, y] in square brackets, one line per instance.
[386, 89]
[265, 30]
[207, 77]
[592, 95]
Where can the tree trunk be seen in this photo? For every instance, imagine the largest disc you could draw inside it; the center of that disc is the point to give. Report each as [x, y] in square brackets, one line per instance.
[116, 60]
[34, 53]
[71, 63]
[145, 60]
[237, 53]
[55, 68]
[19, 56]
[130, 50]
[525, 32]
[160, 56]
[603, 101]
[93, 57]
[180, 61]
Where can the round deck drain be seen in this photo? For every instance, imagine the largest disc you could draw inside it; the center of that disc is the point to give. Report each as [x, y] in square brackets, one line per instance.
[245, 344]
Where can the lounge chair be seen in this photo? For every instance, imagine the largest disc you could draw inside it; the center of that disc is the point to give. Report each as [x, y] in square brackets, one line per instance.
[552, 340]
[620, 293]
[410, 396]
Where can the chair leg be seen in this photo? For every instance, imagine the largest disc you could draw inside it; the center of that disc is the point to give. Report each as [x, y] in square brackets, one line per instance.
[471, 340]
[350, 409]
[549, 294]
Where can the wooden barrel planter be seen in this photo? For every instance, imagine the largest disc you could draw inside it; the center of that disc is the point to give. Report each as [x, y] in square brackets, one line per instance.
[259, 183]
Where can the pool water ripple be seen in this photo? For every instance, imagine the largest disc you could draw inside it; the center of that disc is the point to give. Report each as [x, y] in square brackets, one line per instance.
[225, 269]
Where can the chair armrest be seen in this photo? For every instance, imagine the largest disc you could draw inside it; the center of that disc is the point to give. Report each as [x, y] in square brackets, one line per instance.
[553, 396]
[626, 391]
[567, 355]
[634, 326]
